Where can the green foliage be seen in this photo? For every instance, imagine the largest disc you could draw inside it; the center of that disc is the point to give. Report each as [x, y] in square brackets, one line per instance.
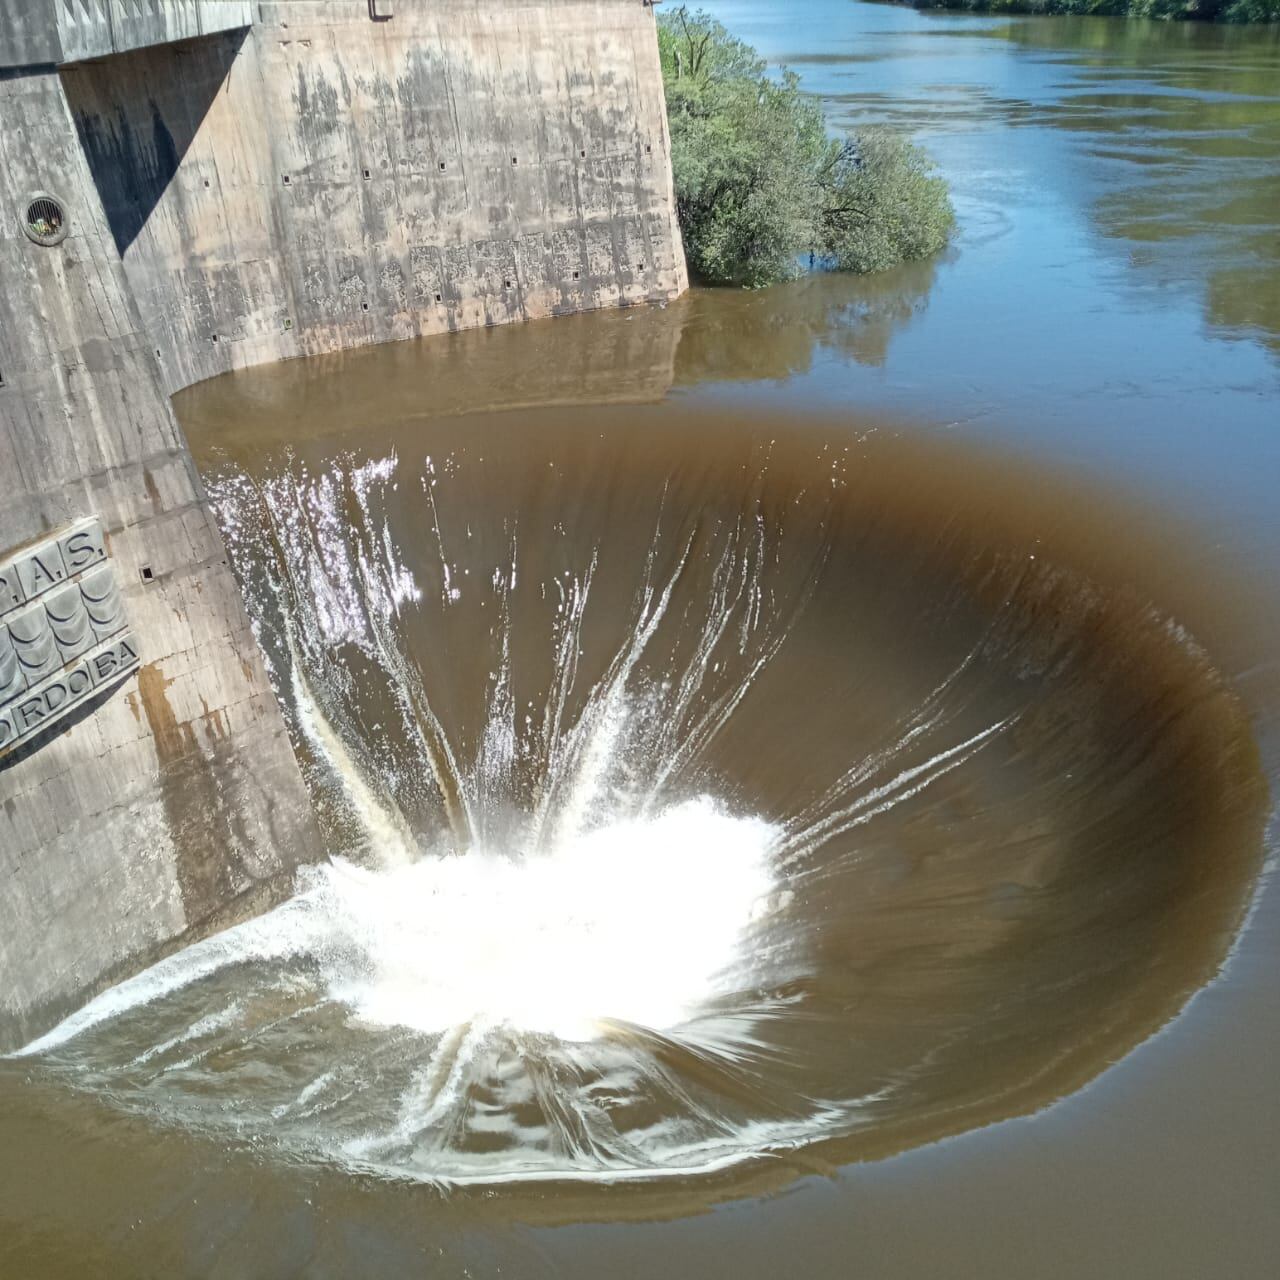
[759, 182]
[1200, 10]
[1251, 11]
[744, 153]
[881, 204]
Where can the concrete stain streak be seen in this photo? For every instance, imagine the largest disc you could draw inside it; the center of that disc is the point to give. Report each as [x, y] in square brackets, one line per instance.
[485, 136]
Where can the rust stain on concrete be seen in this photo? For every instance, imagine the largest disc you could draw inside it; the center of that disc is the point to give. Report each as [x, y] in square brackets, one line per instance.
[201, 827]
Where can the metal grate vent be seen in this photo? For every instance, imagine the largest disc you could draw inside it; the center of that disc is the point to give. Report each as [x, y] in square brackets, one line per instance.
[45, 220]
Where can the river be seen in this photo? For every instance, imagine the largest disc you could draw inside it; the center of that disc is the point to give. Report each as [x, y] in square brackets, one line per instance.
[901, 655]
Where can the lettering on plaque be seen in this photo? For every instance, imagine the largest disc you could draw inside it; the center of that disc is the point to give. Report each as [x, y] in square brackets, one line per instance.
[10, 589]
[63, 631]
[82, 548]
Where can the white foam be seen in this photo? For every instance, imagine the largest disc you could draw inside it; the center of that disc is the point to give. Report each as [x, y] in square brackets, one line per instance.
[280, 933]
[581, 908]
[556, 942]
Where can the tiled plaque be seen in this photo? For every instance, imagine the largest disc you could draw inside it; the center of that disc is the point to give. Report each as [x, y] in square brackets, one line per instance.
[63, 633]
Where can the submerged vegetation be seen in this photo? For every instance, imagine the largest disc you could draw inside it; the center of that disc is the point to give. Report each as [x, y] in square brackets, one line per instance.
[1198, 10]
[759, 182]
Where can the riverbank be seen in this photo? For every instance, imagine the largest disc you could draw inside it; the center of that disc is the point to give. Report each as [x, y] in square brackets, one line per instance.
[1233, 11]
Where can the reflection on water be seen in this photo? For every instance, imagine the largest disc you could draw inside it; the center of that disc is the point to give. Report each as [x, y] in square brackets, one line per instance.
[1165, 136]
[707, 337]
[734, 335]
[1181, 124]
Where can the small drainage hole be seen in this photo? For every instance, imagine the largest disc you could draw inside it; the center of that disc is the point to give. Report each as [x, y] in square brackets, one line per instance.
[46, 221]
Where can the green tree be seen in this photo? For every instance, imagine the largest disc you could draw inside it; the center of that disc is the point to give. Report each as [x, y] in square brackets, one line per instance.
[882, 204]
[759, 182]
[1238, 11]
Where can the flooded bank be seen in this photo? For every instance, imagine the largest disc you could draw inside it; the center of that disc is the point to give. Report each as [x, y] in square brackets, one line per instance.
[930, 668]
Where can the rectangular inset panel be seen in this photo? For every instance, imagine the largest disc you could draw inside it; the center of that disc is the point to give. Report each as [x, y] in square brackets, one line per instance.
[63, 633]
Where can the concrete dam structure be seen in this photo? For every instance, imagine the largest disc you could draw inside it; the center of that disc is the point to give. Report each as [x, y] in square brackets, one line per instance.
[194, 187]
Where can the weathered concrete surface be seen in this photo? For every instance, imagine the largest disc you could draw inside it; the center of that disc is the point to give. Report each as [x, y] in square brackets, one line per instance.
[324, 181]
[174, 804]
[34, 32]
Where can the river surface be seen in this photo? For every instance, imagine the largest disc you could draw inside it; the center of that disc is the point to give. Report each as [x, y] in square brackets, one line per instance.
[856, 705]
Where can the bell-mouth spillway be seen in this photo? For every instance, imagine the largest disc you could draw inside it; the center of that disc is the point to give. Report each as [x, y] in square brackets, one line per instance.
[708, 797]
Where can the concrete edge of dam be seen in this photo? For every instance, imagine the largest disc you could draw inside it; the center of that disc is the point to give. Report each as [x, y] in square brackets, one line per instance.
[192, 188]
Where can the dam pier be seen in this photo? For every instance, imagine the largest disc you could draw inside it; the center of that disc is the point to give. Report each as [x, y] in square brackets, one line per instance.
[196, 186]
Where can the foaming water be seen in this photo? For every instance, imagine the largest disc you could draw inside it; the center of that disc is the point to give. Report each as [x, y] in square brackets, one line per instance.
[474, 957]
[558, 944]
[698, 794]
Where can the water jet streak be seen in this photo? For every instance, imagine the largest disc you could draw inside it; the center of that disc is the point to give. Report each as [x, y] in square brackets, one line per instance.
[697, 792]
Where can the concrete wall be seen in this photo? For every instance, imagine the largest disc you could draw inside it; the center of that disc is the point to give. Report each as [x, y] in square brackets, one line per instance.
[175, 804]
[326, 180]
[28, 34]
[34, 32]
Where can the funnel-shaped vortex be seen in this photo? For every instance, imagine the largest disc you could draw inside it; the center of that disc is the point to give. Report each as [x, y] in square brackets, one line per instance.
[697, 791]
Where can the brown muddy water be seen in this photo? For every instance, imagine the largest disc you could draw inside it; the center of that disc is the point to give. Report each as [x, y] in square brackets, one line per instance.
[798, 766]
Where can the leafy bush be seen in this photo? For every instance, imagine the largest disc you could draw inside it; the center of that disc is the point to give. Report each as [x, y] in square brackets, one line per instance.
[1199, 10]
[882, 204]
[758, 181]
[1250, 11]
